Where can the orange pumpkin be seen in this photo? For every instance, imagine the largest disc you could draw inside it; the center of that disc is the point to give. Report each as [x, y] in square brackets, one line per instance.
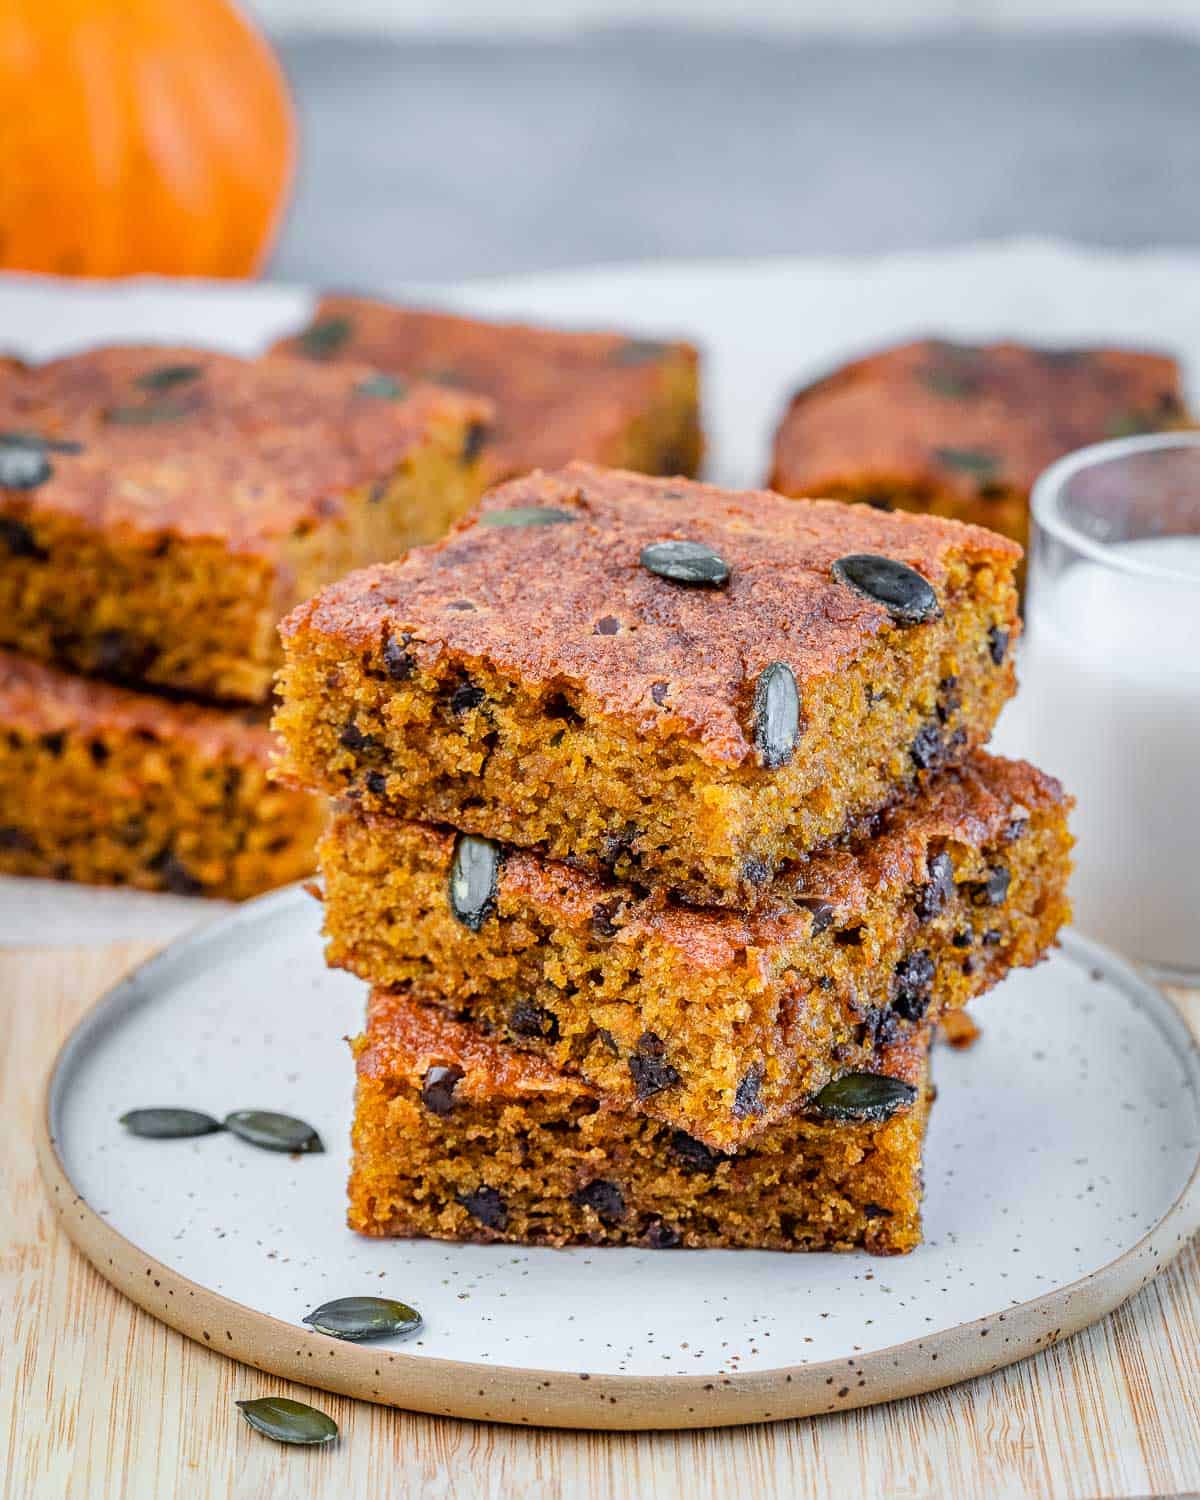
[139, 135]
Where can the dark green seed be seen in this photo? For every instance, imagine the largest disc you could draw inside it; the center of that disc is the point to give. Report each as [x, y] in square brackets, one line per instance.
[149, 415]
[638, 352]
[862, 1096]
[169, 1124]
[167, 377]
[948, 383]
[474, 876]
[1130, 424]
[273, 1132]
[383, 387]
[360, 1318]
[288, 1421]
[968, 461]
[323, 339]
[776, 715]
[36, 440]
[527, 515]
[690, 563]
[23, 464]
[907, 597]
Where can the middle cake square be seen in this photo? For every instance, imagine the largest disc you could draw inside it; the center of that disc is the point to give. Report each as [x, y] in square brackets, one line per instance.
[714, 1021]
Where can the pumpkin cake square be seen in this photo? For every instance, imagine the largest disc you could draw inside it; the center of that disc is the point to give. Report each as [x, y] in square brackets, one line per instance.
[963, 430]
[458, 1137]
[716, 1022]
[630, 403]
[162, 508]
[677, 685]
[112, 787]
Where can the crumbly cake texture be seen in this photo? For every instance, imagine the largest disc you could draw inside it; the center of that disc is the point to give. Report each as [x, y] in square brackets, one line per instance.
[631, 403]
[162, 508]
[963, 430]
[111, 787]
[458, 1137]
[717, 1022]
[537, 684]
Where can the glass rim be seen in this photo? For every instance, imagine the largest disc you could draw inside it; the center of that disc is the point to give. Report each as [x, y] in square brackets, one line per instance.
[1048, 487]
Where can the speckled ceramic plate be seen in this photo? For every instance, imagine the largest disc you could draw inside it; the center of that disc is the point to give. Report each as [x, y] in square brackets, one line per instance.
[1061, 1174]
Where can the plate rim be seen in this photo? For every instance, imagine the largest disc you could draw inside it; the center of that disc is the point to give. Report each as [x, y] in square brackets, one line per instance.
[526, 1396]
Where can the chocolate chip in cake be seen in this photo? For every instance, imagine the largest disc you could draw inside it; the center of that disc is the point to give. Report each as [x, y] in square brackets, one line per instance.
[323, 339]
[912, 985]
[997, 644]
[904, 593]
[118, 654]
[1016, 829]
[747, 1099]
[690, 563]
[353, 738]
[465, 697]
[474, 442]
[927, 749]
[437, 1088]
[607, 625]
[605, 1199]
[776, 715]
[691, 1155]
[381, 388]
[398, 662]
[994, 890]
[659, 691]
[963, 939]
[376, 783]
[661, 1236]
[175, 875]
[756, 872]
[54, 742]
[868, 1097]
[648, 1067]
[474, 878]
[23, 463]
[167, 377]
[937, 891]
[527, 515]
[17, 839]
[603, 914]
[487, 1206]
[822, 915]
[16, 537]
[949, 699]
[607, 1041]
[876, 1211]
[991, 938]
[528, 1018]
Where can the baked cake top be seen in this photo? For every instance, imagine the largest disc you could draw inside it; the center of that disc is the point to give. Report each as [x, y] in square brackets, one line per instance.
[549, 585]
[559, 395]
[968, 417]
[185, 443]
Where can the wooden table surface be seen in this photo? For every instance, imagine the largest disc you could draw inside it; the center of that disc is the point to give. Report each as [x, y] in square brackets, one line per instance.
[100, 1400]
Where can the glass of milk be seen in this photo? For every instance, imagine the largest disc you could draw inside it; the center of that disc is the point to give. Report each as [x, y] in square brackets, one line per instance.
[1110, 686]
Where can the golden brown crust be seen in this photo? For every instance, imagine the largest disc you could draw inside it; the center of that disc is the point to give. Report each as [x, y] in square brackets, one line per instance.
[530, 601]
[559, 395]
[965, 429]
[249, 453]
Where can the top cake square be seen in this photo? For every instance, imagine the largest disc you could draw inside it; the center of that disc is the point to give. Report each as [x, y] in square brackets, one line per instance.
[161, 508]
[963, 430]
[676, 684]
[631, 403]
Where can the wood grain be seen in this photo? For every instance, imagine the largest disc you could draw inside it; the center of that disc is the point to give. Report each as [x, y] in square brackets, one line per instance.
[100, 1400]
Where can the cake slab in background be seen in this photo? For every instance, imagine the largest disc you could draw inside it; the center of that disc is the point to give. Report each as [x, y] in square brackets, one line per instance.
[765, 327]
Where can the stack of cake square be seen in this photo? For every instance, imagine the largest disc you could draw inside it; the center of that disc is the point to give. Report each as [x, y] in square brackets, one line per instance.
[665, 837]
[160, 509]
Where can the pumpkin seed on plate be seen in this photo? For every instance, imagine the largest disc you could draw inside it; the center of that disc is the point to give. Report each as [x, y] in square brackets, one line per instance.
[776, 715]
[862, 1096]
[527, 515]
[689, 563]
[288, 1421]
[169, 1124]
[273, 1132]
[474, 877]
[361, 1318]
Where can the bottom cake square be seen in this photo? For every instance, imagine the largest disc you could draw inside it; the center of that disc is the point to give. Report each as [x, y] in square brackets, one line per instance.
[458, 1136]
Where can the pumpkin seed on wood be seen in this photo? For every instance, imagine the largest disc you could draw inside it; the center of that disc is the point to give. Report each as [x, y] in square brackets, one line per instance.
[689, 563]
[325, 337]
[527, 515]
[361, 1318]
[905, 594]
[169, 1124]
[273, 1132]
[862, 1096]
[288, 1421]
[383, 387]
[776, 715]
[474, 877]
[167, 377]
